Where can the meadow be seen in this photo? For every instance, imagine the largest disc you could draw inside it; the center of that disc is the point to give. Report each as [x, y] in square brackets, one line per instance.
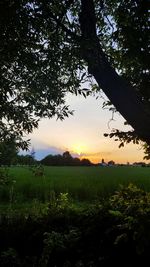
[83, 184]
[67, 217]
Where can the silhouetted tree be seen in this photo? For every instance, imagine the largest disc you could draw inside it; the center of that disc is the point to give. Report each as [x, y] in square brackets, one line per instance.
[67, 158]
[76, 162]
[25, 160]
[32, 153]
[111, 162]
[64, 160]
[85, 162]
[49, 48]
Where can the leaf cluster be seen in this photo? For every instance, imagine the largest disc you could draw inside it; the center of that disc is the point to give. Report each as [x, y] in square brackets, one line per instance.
[123, 137]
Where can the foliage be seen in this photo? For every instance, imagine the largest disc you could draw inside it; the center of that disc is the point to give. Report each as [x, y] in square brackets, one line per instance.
[128, 137]
[124, 137]
[9, 258]
[65, 160]
[5, 177]
[37, 170]
[7, 183]
[132, 206]
[146, 148]
[129, 53]
[33, 82]
[56, 242]
[42, 59]
[25, 160]
[110, 233]
[129, 48]
[58, 205]
[8, 152]
[131, 200]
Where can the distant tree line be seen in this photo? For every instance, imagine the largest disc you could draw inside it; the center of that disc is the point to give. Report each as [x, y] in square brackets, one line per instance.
[9, 155]
[64, 160]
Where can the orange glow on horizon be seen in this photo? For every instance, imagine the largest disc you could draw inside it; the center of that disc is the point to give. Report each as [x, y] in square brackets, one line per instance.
[93, 159]
[118, 158]
[79, 148]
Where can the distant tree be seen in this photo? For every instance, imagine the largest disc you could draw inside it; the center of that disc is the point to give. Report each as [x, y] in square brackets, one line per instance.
[142, 164]
[67, 155]
[58, 160]
[32, 153]
[67, 158]
[111, 162]
[48, 160]
[76, 162]
[52, 160]
[25, 160]
[20, 159]
[85, 162]
[64, 160]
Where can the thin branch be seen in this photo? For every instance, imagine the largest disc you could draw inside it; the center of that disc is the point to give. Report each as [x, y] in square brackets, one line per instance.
[59, 20]
[63, 27]
[111, 119]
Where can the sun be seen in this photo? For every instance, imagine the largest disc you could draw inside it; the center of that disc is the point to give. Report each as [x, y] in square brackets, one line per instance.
[79, 148]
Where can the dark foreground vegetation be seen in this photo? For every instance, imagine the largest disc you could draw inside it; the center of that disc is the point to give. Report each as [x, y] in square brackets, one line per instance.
[114, 232]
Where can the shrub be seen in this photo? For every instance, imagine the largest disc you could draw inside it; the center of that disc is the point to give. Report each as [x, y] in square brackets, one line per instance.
[9, 258]
[131, 206]
[115, 233]
[6, 185]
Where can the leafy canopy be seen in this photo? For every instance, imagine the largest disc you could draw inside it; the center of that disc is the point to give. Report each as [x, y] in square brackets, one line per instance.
[41, 58]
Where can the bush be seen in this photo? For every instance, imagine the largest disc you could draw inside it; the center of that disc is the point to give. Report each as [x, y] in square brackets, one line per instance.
[115, 232]
[131, 205]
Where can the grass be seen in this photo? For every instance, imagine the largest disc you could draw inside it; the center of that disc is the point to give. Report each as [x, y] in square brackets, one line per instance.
[83, 184]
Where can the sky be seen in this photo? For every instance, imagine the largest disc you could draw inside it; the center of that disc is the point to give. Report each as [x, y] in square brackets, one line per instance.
[83, 134]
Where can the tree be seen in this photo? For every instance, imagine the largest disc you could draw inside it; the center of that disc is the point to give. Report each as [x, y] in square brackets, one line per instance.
[32, 154]
[8, 152]
[25, 160]
[111, 162]
[50, 48]
[64, 160]
[85, 162]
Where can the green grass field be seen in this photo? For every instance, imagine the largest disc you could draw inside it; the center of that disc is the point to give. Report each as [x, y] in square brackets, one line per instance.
[83, 184]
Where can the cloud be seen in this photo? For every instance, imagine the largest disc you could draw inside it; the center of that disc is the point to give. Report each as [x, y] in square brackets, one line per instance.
[95, 157]
[97, 154]
[41, 153]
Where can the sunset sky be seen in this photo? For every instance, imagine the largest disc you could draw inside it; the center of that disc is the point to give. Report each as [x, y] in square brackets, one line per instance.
[82, 134]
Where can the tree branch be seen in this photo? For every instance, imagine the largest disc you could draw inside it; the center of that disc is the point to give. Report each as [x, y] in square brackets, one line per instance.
[59, 20]
[87, 19]
[121, 94]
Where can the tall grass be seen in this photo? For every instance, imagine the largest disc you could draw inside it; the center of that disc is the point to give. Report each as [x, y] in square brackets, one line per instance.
[82, 183]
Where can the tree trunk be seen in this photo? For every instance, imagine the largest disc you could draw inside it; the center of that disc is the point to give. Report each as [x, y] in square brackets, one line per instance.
[121, 94]
[124, 98]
